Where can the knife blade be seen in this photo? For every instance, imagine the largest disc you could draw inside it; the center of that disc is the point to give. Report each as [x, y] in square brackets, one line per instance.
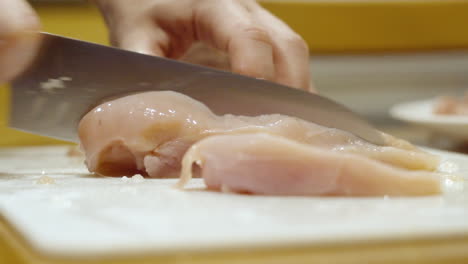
[69, 77]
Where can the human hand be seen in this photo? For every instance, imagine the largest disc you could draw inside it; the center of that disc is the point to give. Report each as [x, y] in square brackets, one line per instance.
[256, 43]
[18, 41]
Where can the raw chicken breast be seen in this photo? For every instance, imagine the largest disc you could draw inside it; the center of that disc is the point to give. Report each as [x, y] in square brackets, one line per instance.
[146, 133]
[149, 134]
[268, 164]
[449, 105]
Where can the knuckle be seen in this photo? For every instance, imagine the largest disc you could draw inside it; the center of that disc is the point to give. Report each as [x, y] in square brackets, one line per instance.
[296, 41]
[256, 33]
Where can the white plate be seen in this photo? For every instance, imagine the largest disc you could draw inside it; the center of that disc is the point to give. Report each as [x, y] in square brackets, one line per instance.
[420, 113]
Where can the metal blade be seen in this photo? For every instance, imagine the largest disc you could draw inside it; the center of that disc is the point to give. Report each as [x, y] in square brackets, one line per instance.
[69, 77]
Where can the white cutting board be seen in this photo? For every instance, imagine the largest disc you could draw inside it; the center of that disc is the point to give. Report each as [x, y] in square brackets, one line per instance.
[81, 214]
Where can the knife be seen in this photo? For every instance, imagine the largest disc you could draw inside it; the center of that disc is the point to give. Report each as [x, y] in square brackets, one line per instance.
[68, 77]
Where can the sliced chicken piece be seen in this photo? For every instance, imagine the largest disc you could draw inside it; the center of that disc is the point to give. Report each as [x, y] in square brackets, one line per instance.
[149, 133]
[446, 105]
[145, 133]
[274, 165]
[449, 105]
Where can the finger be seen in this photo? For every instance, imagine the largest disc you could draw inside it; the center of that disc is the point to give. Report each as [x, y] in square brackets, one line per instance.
[140, 37]
[18, 38]
[17, 16]
[291, 54]
[127, 29]
[202, 54]
[229, 27]
[176, 21]
[158, 28]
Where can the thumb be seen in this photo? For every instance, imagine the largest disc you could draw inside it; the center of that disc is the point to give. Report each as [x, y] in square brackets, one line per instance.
[18, 38]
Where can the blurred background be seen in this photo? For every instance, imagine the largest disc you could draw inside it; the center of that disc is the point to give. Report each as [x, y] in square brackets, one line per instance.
[368, 55]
